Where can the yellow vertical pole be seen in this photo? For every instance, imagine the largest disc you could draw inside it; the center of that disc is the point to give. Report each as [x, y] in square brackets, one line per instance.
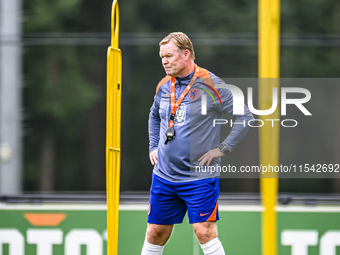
[113, 132]
[269, 56]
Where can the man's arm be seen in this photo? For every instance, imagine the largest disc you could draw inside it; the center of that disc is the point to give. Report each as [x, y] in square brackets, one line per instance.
[241, 122]
[154, 128]
[238, 131]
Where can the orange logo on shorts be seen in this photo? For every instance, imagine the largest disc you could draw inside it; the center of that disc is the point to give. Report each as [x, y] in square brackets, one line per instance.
[193, 94]
[203, 214]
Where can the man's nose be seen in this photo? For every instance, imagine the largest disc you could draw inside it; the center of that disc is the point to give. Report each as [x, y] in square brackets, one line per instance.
[164, 61]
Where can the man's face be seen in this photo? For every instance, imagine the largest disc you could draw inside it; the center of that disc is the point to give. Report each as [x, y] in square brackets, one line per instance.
[173, 59]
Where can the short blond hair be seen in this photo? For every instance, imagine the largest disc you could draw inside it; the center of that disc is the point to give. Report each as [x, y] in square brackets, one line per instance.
[181, 40]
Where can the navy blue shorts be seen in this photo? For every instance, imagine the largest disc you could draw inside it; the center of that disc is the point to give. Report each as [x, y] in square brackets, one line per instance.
[169, 201]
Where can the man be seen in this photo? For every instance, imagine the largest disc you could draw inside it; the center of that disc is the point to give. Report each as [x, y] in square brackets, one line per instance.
[182, 140]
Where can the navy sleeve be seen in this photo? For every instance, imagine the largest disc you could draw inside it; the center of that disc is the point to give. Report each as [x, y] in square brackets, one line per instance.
[154, 124]
[240, 122]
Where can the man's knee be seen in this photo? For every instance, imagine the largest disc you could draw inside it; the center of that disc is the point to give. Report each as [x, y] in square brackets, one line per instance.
[205, 231]
[158, 234]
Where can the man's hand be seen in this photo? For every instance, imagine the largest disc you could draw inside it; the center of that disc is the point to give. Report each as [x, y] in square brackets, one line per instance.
[209, 156]
[153, 157]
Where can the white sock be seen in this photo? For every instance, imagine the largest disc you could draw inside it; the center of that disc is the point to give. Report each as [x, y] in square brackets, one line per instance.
[213, 247]
[152, 249]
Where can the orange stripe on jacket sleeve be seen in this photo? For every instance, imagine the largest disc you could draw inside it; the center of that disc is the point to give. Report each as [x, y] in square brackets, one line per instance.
[213, 215]
[162, 82]
[205, 76]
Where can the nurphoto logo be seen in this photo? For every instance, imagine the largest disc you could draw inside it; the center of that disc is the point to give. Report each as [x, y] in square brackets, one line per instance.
[239, 101]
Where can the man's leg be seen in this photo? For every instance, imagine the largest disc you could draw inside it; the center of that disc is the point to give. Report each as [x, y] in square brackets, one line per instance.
[165, 210]
[156, 238]
[206, 233]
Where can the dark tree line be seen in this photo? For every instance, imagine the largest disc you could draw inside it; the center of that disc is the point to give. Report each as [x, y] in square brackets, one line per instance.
[65, 85]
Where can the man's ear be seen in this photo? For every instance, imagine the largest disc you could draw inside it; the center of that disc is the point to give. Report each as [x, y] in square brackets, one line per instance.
[187, 54]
